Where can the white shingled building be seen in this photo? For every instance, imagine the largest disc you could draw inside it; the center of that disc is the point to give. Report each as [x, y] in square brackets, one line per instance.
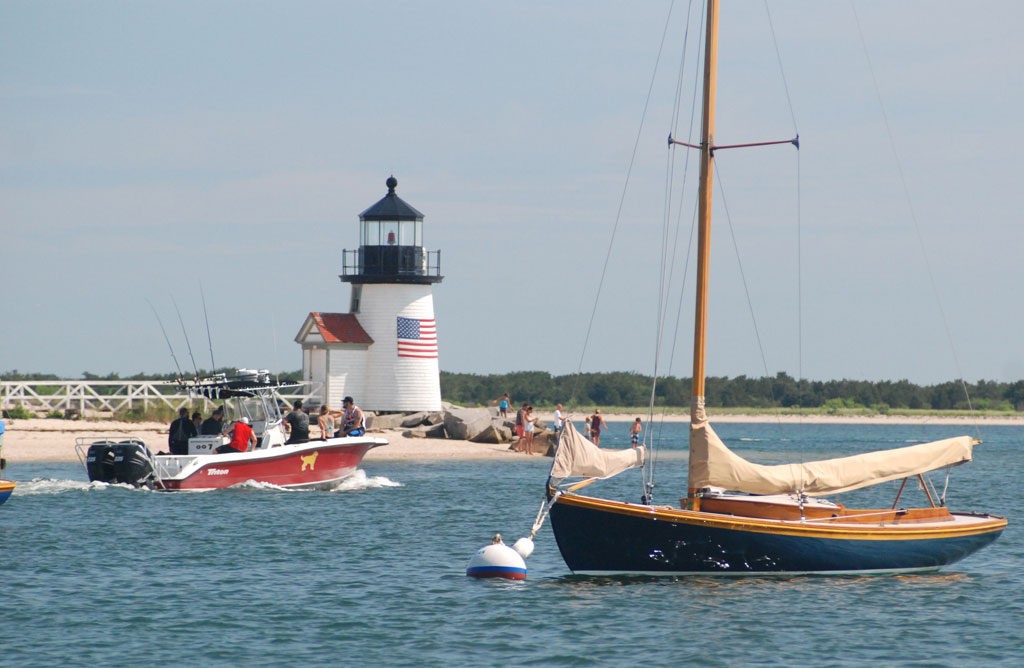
[384, 351]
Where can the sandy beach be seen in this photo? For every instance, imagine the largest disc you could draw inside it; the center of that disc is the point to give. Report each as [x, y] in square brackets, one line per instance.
[51, 440]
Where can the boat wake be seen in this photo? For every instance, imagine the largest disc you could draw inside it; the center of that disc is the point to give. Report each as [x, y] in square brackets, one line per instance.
[38, 486]
[356, 482]
[359, 481]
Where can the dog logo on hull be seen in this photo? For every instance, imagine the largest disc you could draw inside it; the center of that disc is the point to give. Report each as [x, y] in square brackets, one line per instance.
[309, 461]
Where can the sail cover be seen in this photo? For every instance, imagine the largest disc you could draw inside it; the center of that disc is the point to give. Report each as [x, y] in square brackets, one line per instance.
[712, 464]
[577, 457]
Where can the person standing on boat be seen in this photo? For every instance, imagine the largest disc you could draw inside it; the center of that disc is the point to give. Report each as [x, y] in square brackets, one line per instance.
[179, 432]
[634, 432]
[213, 425]
[596, 422]
[243, 438]
[197, 420]
[352, 421]
[296, 423]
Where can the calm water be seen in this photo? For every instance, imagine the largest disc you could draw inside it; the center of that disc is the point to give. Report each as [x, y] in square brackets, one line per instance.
[373, 574]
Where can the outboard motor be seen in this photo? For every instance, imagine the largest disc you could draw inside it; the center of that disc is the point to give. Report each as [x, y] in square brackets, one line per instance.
[99, 462]
[132, 463]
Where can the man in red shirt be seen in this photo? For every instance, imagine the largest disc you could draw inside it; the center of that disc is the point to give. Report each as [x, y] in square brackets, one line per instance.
[243, 438]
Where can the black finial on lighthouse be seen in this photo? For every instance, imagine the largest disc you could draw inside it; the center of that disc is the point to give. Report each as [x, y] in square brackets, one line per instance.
[391, 245]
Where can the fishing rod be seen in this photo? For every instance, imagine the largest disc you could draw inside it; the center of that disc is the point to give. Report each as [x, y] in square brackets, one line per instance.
[164, 331]
[213, 366]
[195, 367]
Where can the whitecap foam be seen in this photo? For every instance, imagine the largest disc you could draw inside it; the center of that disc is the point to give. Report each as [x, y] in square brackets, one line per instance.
[359, 481]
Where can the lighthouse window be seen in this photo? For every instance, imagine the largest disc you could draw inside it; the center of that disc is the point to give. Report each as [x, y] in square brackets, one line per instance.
[409, 236]
[371, 233]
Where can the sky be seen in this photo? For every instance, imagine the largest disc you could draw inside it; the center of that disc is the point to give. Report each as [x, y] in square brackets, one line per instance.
[160, 152]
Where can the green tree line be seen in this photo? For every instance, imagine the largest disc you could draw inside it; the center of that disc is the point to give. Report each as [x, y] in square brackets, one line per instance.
[779, 391]
[619, 388]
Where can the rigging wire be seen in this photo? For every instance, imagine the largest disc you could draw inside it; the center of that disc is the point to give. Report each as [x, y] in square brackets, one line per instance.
[622, 197]
[913, 213]
[799, 219]
[166, 338]
[209, 339]
[739, 263]
[195, 367]
[669, 259]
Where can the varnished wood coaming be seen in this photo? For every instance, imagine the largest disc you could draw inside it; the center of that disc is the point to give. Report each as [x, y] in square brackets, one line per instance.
[792, 511]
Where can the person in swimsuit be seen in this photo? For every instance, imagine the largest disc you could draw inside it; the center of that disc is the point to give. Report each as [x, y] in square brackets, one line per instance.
[326, 422]
[634, 432]
[503, 405]
[596, 422]
[528, 426]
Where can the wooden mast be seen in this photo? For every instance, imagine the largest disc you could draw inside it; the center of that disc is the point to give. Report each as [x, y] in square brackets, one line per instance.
[704, 212]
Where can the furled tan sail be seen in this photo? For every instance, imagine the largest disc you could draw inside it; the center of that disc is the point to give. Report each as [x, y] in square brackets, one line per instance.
[712, 464]
[578, 457]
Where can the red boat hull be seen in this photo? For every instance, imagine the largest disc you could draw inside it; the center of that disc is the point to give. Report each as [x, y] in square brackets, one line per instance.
[317, 464]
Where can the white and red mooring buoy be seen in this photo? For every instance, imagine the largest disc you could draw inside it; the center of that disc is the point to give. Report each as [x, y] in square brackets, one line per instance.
[498, 560]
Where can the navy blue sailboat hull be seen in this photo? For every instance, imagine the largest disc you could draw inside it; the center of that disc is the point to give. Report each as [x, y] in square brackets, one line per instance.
[602, 537]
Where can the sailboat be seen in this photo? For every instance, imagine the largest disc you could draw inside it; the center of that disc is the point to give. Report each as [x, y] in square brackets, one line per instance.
[739, 517]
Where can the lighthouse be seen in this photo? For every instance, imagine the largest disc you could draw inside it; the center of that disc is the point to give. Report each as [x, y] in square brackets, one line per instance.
[384, 351]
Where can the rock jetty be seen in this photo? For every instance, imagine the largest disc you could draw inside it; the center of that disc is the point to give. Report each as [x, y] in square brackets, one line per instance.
[479, 425]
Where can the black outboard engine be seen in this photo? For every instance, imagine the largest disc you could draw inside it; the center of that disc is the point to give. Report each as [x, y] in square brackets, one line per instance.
[132, 463]
[99, 462]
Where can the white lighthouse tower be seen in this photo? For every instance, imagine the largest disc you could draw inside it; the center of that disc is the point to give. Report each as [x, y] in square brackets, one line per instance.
[384, 352]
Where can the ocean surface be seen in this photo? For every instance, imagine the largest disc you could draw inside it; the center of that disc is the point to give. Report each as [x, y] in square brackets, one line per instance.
[373, 573]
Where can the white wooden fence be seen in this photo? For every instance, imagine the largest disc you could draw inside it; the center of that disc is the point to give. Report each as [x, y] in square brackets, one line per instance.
[108, 396]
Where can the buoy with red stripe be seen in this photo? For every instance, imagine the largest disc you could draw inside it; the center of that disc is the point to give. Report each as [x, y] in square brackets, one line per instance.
[498, 560]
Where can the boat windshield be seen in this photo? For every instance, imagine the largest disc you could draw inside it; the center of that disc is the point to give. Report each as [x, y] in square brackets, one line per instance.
[250, 407]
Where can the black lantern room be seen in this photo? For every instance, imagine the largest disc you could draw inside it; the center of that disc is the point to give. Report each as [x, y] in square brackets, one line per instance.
[391, 245]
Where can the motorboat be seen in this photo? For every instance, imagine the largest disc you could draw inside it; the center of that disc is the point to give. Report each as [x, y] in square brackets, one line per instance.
[315, 464]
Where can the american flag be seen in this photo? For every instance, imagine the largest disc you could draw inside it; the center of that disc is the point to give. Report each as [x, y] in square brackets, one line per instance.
[417, 337]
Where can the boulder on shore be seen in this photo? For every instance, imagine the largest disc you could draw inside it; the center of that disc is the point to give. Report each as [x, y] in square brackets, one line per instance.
[465, 424]
[494, 433]
[388, 421]
[426, 431]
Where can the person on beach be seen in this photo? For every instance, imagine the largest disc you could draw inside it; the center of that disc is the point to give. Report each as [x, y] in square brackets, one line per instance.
[528, 427]
[213, 425]
[634, 432]
[503, 405]
[586, 427]
[596, 422]
[326, 422]
[559, 421]
[179, 432]
[519, 428]
[243, 438]
[352, 420]
[296, 424]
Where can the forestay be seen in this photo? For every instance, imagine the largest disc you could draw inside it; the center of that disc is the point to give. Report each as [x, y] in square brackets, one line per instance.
[712, 464]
